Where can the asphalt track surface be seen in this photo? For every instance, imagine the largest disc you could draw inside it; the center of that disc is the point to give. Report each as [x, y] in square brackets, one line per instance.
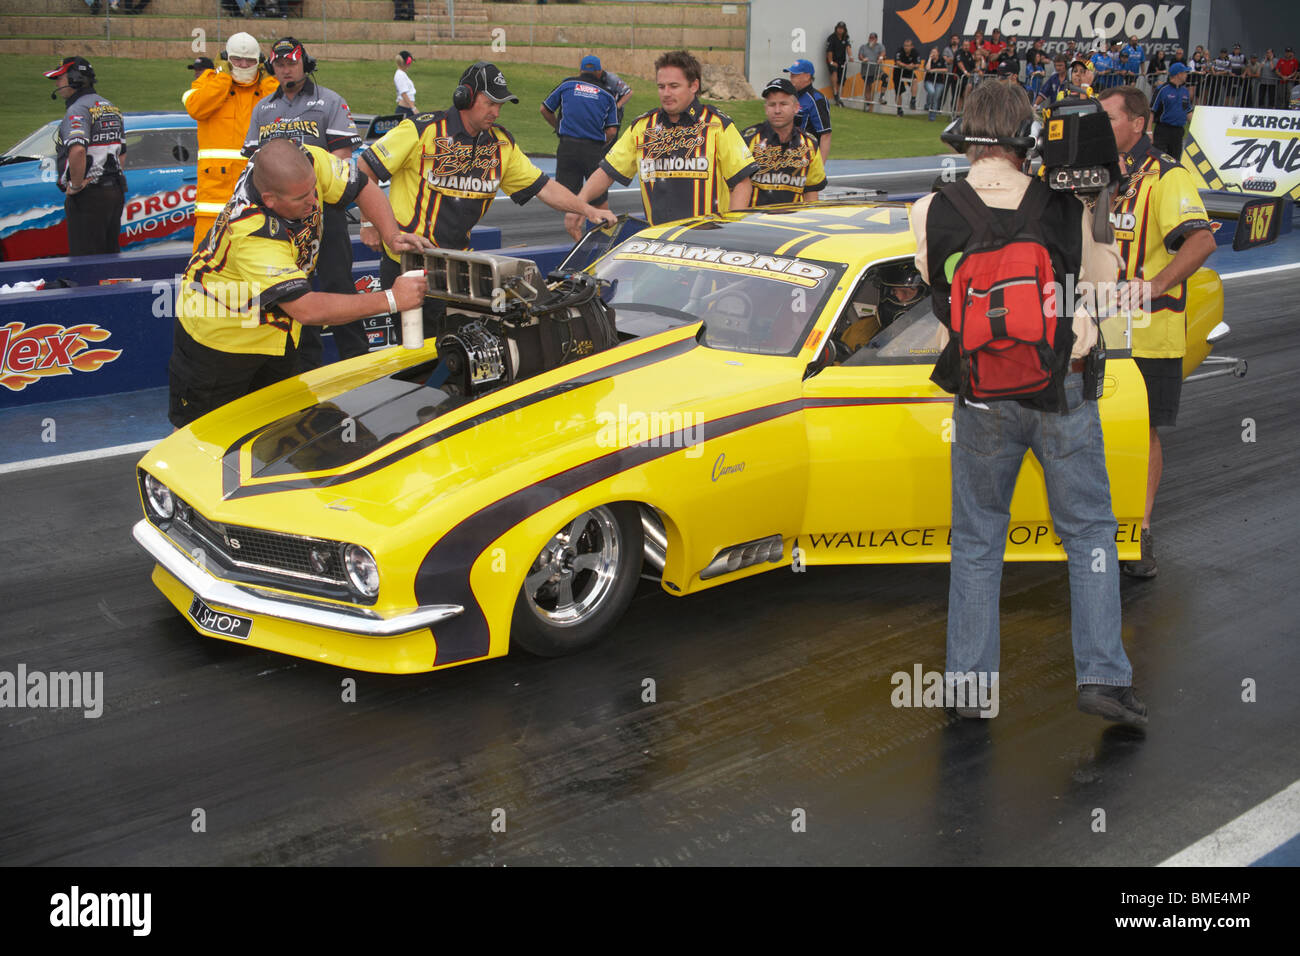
[773, 694]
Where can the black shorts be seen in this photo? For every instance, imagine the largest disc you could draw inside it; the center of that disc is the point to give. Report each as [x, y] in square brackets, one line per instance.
[837, 72]
[202, 379]
[575, 161]
[1164, 378]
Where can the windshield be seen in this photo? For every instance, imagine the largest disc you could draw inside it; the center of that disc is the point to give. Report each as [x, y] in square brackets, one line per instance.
[749, 302]
[38, 144]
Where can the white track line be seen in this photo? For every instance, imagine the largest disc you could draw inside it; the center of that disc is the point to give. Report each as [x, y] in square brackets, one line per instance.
[1244, 840]
[1259, 272]
[77, 456]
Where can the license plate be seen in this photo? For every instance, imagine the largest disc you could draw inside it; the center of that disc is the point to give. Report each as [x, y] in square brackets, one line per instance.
[220, 622]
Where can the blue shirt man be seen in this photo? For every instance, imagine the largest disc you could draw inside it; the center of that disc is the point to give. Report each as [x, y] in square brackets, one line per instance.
[814, 116]
[586, 109]
[1132, 56]
[1170, 106]
[587, 123]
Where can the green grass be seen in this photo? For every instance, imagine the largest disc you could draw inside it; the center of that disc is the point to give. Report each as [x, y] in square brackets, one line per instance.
[367, 85]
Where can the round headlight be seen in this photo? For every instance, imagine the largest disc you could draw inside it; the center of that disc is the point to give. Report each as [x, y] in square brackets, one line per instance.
[362, 570]
[159, 497]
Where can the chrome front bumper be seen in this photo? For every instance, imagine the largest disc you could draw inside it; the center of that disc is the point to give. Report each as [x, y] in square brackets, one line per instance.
[304, 610]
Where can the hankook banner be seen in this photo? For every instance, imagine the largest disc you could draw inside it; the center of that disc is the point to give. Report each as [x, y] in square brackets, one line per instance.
[1157, 25]
[1255, 151]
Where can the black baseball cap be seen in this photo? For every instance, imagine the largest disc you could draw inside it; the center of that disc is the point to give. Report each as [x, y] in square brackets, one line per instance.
[486, 78]
[202, 63]
[288, 49]
[779, 85]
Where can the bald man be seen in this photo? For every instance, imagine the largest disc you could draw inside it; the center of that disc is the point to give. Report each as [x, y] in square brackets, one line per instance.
[246, 294]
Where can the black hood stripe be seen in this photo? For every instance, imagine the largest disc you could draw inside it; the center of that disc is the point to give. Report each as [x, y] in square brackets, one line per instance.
[233, 488]
[443, 576]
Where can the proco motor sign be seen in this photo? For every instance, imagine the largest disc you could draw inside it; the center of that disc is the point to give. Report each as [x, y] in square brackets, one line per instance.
[1158, 26]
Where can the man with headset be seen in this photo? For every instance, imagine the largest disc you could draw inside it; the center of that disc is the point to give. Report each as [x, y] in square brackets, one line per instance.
[312, 115]
[445, 169]
[89, 147]
[222, 104]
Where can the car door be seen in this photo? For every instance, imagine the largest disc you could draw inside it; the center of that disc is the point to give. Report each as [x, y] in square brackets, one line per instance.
[878, 432]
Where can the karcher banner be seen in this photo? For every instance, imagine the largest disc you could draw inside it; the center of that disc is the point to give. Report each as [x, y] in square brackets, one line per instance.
[1157, 25]
[1254, 151]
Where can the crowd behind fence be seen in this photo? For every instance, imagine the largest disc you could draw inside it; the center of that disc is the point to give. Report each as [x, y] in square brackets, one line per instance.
[917, 88]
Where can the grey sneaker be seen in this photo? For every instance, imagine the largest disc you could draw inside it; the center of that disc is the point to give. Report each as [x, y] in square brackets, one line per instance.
[1146, 566]
[1113, 703]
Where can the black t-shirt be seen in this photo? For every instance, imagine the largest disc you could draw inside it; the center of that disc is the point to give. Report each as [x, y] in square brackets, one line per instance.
[910, 57]
[837, 48]
[965, 59]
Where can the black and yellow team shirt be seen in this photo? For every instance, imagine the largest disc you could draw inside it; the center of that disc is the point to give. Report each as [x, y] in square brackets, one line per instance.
[443, 179]
[1159, 208]
[785, 170]
[687, 168]
[254, 260]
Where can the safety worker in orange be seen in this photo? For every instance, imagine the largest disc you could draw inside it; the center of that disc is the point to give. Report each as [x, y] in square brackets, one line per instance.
[222, 103]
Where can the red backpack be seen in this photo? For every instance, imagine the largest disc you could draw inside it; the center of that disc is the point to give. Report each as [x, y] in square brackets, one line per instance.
[1004, 311]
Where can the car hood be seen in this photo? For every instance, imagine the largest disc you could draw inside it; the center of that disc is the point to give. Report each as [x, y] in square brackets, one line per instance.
[368, 438]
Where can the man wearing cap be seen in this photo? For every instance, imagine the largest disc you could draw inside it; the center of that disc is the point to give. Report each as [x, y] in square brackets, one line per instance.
[445, 169]
[838, 46]
[405, 88]
[307, 113]
[200, 66]
[588, 122]
[222, 104]
[790, 166]
[1171, 105]
[89, 148]
[246, 294]
[814, 114]
[690, 158]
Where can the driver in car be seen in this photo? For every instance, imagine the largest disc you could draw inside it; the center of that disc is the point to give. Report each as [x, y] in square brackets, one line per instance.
[896, 289]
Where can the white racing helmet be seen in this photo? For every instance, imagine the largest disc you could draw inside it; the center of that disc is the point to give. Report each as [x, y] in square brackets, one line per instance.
[244, 46]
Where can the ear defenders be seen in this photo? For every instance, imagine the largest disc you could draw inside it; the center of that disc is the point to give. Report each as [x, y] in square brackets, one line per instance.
[472, 81]
[1024, 141]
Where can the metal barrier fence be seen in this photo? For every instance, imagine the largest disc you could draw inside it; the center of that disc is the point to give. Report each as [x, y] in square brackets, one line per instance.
[915, 90]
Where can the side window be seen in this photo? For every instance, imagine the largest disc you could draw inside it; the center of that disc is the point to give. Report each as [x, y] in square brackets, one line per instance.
[888, 320]
[160, 148]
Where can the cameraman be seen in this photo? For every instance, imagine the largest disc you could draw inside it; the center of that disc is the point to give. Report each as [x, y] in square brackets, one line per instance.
[1059, 425]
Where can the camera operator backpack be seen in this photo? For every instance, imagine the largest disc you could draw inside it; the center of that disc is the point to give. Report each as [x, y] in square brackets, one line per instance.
[1003, 309]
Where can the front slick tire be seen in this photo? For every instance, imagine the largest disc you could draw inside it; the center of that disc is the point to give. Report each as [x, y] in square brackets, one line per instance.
[580, 583]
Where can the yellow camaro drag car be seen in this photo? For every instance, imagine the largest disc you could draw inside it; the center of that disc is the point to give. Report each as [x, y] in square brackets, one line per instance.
[712, 399]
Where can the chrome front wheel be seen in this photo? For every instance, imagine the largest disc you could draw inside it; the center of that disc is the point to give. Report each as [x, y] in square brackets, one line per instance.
[580, 582]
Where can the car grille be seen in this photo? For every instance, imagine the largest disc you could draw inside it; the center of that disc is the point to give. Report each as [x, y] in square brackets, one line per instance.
[270, 551]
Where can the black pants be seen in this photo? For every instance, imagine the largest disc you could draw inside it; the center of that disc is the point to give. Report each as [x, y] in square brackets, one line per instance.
[575, 160]
[435, 310]
[202, 379]
[95, 219]
[1168, 139]
[333, 274]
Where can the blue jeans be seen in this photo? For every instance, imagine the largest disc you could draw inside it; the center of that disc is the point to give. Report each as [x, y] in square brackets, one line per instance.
[987, 452]
[933, 94]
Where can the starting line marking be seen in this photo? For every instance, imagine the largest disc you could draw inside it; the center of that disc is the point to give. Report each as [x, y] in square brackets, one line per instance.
[1252, 835]
[76, 456]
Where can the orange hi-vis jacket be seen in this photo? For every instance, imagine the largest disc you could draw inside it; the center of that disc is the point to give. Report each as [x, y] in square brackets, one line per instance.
[223, 109]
